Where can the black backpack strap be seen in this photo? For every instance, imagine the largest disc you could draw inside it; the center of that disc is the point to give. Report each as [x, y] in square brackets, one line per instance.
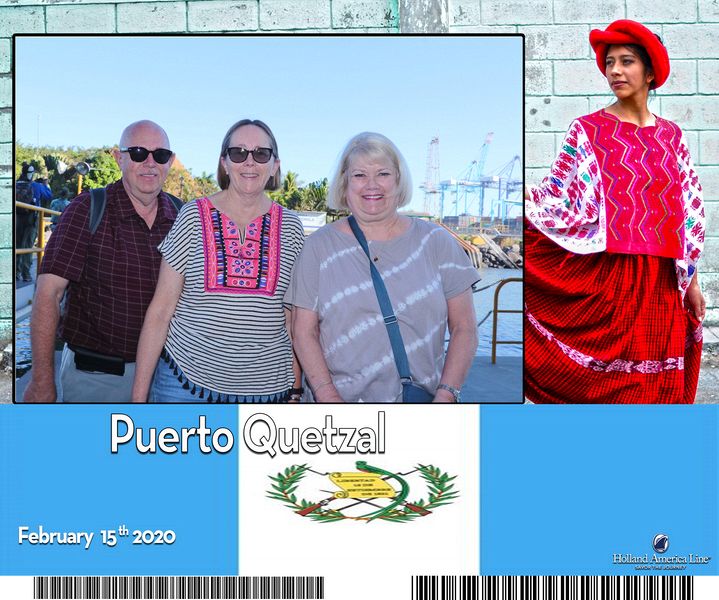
[176, 201]
[98, 199]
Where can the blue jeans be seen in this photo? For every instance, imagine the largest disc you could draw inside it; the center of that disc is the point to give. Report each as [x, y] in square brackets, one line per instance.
[169, 387]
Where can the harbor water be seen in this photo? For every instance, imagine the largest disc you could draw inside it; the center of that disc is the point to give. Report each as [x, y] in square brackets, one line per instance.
[509, 324]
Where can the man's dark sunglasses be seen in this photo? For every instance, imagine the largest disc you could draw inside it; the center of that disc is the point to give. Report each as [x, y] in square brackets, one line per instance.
[140, 154]
[259, 155]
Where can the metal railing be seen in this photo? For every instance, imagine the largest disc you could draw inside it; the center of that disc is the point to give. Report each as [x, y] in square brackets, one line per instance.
[40, 248]
[496, 312]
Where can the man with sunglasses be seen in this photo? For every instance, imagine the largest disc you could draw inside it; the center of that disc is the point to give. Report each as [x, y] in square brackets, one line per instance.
[107, 275]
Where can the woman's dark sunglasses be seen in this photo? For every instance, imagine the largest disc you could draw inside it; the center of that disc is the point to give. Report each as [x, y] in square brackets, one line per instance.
[140, 154]
[259, 155]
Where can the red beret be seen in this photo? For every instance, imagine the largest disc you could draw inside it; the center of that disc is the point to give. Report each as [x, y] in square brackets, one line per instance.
[625, 32]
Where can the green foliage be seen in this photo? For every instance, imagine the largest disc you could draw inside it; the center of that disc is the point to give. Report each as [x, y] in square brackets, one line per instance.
[103, 170]
[312, 197]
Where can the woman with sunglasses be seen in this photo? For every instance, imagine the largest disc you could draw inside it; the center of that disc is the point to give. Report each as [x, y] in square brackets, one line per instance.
[340, 335]
[217, 322]
[614, 233]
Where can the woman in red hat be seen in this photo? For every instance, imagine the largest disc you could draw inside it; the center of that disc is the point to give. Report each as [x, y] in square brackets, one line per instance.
[614, 233]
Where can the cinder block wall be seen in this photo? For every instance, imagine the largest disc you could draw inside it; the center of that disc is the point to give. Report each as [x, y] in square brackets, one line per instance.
[563, 82]
[561, 79]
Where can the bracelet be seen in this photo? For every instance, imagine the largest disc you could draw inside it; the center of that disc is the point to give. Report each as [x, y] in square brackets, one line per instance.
[452, 390]
[297, 391]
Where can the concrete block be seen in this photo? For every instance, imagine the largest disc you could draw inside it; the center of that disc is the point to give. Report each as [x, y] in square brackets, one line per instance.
[5, 153]
[708, 10]
[709, 284]
[464, 12]
[692, 113]
[6, 314]
[516, 12]
[571, 11]
[709, 178]
[682, 79]
[539, 149]
[708, 148]
[553, 114]
[6, 325]
[577, 77]
[6, 233]
[692, 138]
[97, 18]
[21, 19]
[709, 75]
[711, 211]
[698, 40]
[709, 262]
[6, 195]
[223, 15]
[538, 77]
[603, 101]
[5, 56]
[5, 91]
[5, 126]
[364, 13]
[652, 11]
[557, 41]
[294, 14]
[423, 16]
[491, 29]
[159, 17]
[534, 175]
[6, 265]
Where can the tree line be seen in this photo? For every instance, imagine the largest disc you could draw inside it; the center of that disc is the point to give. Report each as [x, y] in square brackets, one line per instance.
[48, 162]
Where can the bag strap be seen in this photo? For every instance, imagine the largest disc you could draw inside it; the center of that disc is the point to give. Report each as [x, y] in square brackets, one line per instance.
[98, 200]
[390, 320]
[176, 201]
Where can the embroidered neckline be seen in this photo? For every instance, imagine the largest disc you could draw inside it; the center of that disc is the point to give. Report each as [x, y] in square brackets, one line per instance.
[232, 266]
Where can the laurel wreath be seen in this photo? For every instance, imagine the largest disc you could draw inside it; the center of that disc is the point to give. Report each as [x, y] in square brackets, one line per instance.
[439, 484]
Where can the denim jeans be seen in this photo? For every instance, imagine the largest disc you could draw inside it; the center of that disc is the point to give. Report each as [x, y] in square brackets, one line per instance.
[168, 387]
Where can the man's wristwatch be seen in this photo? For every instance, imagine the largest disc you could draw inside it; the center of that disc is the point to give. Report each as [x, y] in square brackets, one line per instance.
[452, 390]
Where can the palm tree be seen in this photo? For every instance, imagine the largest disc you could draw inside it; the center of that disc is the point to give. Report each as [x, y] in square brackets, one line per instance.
[314, 196]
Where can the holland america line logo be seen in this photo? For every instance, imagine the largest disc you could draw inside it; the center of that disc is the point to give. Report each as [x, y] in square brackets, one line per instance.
[660, 543]
[363, 495]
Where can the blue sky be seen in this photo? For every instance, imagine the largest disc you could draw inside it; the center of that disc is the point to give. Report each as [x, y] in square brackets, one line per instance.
[314, 92]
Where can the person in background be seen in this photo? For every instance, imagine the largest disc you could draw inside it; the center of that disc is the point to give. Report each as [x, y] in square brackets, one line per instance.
[25, 222]
[109, 275]
[41, 192]
[339, 332]
[614, 234]
[59, 204]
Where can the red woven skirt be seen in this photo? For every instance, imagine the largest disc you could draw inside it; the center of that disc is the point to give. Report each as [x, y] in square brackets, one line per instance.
[606, 328]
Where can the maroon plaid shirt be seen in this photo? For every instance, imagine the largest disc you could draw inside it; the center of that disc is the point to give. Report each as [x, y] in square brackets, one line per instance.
[112, 273]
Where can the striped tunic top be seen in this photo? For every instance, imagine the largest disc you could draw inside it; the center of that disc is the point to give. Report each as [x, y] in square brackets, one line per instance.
[228, 332]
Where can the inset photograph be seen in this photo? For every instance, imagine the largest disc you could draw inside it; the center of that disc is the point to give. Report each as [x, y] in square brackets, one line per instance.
[343, 224]
[614, 237]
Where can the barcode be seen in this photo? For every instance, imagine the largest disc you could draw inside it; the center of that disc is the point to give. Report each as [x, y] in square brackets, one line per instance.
[179, 588]
[439, 587]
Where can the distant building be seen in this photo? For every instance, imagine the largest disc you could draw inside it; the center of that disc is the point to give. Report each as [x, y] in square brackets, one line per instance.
[311, 220]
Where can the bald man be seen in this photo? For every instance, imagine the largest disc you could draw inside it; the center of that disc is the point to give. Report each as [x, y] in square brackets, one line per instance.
[109, 275]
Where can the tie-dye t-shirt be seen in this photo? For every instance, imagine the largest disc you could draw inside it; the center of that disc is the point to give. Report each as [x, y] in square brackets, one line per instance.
[422, 269]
